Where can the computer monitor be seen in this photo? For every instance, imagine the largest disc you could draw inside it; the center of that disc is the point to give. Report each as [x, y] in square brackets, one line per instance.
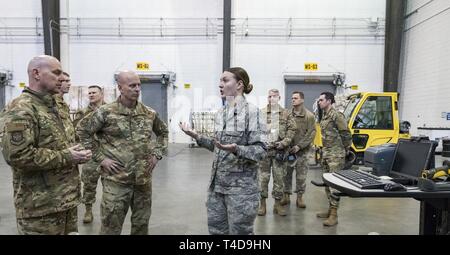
[411, 158]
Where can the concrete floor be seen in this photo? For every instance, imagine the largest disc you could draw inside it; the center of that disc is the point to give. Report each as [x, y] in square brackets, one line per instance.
[179, 194]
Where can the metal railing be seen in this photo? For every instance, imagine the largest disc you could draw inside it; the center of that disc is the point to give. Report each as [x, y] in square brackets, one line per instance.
[199, 27]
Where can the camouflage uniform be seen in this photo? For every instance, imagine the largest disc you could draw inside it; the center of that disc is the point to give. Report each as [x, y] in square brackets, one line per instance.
[84, 112]
[281, 128]
[233, 190]
[303, 138]
[89, 171]
[63, 107]
[61, 223]
[124, 135]
[336, 138]
[46, 183]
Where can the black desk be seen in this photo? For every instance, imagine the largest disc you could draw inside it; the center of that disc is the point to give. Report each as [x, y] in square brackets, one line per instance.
[434, 206]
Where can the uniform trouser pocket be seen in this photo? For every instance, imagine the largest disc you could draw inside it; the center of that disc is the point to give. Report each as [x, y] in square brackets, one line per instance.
[116, 200]
[233, 214]
[141, 209]
[279, 174]
[264, 176]
[242, 210]
[330, 165]
[60, 223]
[300, 165]
[89, 177]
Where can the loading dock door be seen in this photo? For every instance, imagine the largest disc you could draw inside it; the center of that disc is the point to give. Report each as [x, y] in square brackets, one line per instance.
[154, 94]
[310, 86]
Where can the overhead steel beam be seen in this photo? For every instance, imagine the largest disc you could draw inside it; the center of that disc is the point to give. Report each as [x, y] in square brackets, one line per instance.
[395, 11]
[50, 19]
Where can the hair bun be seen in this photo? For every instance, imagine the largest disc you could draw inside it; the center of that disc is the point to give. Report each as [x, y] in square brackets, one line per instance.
[248, 88]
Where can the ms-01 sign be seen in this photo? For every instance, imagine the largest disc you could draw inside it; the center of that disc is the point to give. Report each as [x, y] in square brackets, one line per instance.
[448, 115]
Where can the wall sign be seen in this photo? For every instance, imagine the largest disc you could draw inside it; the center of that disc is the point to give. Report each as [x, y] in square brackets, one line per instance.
[311, 67]
[142, 66]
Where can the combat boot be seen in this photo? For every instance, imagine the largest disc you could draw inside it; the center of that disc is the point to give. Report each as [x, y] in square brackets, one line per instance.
[262, 207]
[300, 202]
[278, 208]
[286, 199]
[88, 217]
[332, 219]
[324, 215]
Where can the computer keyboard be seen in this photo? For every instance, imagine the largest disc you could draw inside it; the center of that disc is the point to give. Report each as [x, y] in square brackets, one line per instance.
[360, 179]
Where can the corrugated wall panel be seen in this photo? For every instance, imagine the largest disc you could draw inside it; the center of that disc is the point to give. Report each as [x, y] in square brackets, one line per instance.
[425, 70]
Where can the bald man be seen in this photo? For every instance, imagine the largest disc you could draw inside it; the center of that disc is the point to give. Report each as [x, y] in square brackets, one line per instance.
[127, 155]
[40, 147]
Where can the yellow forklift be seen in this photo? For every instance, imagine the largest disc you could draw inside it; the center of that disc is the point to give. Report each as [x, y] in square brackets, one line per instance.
[373, 120]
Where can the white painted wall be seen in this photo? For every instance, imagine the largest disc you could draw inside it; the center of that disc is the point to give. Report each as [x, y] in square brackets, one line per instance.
[199, 61]
[309, 9]
[146, 8]
[362, 64]
[14, 57]
[15, 52]
[21, 8]
[193, 63]
[425, 70]
[266, 59]
[196, 61]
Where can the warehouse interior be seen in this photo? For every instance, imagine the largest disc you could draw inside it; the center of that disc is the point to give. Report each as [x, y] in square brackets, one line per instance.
[179, 50]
